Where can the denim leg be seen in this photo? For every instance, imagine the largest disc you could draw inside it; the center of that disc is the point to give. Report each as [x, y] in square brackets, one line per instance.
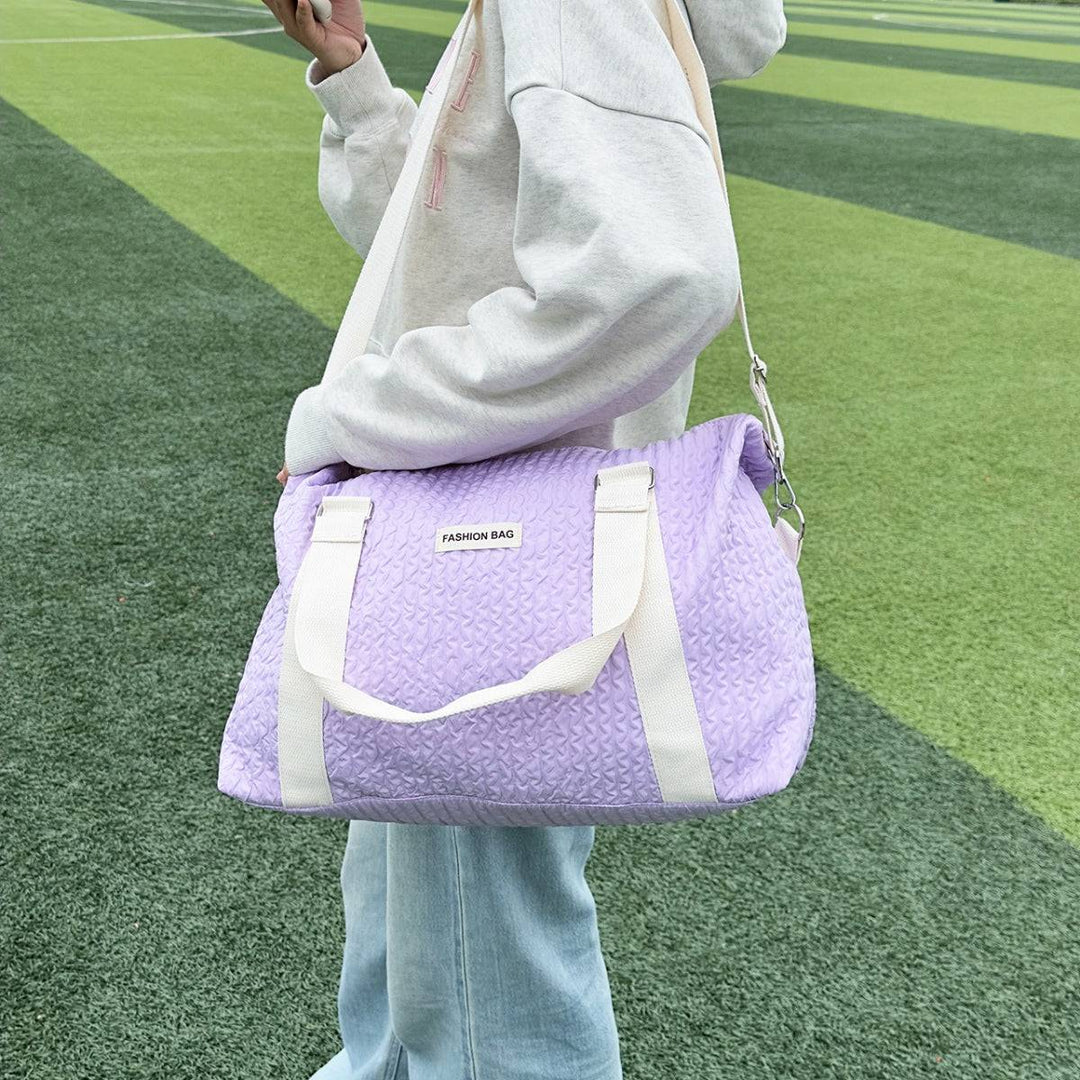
[494, 969]
[370, 1050]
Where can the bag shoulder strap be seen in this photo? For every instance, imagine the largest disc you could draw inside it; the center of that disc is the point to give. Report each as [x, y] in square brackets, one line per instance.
[682, 42]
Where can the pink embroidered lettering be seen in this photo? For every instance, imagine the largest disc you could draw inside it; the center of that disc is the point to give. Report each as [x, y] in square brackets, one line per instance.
[459, 102]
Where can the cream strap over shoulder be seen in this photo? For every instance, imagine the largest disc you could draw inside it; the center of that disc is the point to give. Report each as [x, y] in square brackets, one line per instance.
[367, 295]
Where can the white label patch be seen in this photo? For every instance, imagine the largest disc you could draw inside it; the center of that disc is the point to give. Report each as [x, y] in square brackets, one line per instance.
[499, 534]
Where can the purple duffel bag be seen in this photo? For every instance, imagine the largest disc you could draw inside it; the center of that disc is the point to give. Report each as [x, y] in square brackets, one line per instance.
[561, 636]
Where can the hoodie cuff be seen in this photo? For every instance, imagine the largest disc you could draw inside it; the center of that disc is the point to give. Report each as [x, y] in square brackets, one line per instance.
[307, 444]
[358, 98]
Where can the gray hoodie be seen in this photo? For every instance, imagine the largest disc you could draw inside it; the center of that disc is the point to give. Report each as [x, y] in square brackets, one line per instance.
[569, 252]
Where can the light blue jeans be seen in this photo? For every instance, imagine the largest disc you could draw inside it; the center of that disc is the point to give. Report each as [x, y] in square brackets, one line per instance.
[471, 953]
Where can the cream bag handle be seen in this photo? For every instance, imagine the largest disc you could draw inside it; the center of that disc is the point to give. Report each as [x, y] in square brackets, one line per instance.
[318, 623]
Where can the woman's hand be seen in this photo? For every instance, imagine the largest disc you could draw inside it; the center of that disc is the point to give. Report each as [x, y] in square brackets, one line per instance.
[337, 43]
[283, 475]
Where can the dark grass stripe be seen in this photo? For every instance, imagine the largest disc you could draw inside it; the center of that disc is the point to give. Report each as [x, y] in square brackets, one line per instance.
[888, 910]
[891, 907]
[983, 65]
[795, 18]
[457, 6]
[149, 927]
[984, 180]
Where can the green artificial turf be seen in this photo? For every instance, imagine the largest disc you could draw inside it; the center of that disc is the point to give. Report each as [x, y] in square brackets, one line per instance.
[953, 11]
[920, 58]
[889, 916]
[854, 306]
[968, 99]
[1051, 35]
[220, 135]
[883, 33]
[903, 910]
[998, 183]
[911, 365]
[890, 908]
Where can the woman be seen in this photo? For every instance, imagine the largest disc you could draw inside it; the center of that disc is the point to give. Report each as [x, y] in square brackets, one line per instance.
[568, 256]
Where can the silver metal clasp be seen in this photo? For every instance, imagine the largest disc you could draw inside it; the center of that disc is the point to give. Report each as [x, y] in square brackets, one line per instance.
[783, 492]
[786, 504]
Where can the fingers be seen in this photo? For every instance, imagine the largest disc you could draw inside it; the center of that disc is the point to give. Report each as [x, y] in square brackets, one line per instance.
[297, 19]
[284, 13]
[276, 8]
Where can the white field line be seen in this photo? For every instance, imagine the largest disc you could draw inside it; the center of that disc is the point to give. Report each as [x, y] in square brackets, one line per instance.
[140, 37]
[246, 9]
[217, 11]
[974, 31]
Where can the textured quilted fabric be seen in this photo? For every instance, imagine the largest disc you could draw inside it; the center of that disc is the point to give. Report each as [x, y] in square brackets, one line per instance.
[427, 626]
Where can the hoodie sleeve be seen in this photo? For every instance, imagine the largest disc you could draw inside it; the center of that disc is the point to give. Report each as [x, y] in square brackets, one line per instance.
[736, 38]
[362, 144]
[624, 247]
